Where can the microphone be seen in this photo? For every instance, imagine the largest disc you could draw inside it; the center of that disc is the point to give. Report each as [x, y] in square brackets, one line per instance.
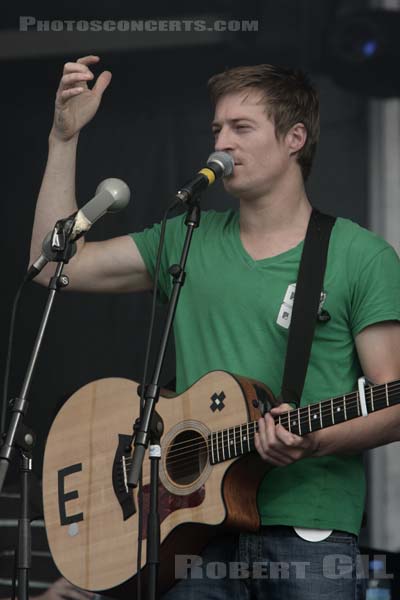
[112, 195]
[219, 164]
[48, 255]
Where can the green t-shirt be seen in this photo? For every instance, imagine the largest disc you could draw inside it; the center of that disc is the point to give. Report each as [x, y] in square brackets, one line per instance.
[234, 315]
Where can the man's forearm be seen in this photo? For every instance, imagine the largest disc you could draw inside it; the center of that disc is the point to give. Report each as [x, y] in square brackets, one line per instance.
[57, 193]
[362, 433]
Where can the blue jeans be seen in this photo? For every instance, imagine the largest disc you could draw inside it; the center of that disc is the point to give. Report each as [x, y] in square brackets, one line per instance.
[273, 564]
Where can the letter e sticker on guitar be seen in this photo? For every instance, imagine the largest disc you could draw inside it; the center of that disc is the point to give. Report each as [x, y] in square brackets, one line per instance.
[64, 497]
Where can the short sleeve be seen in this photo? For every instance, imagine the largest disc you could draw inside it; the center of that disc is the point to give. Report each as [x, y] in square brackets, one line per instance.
[147, 242]
[376, 290]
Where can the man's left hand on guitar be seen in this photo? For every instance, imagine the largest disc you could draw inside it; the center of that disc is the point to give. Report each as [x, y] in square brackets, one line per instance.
[278, 446]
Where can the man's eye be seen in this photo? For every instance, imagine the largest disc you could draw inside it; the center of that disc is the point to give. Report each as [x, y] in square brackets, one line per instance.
[242, 127]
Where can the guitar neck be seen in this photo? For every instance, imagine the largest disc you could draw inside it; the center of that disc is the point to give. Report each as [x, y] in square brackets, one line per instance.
[236, 441]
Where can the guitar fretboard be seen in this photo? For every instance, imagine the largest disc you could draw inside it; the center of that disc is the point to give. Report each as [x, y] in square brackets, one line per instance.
[236, 441]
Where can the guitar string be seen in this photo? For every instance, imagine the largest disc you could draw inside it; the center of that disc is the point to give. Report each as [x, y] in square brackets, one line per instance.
[202, 443]
[186, 458]
[190, 441]
[203, 449]
[351, 402]
[304, 419]
[304, 416]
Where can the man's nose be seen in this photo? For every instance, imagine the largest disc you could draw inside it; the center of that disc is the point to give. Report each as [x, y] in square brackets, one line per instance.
[224, 140]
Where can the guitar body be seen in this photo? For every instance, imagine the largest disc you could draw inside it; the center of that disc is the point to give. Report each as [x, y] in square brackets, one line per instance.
[89, 512]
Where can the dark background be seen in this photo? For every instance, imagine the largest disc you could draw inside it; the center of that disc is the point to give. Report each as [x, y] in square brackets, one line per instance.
[153, 131]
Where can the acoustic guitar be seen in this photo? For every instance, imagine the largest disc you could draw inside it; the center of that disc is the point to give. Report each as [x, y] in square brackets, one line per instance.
[209, 472]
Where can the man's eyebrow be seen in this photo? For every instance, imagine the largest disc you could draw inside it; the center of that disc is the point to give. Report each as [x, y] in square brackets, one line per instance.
[232, 121]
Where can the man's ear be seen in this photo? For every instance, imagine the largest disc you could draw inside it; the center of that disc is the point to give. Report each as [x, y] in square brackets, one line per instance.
[296, 138]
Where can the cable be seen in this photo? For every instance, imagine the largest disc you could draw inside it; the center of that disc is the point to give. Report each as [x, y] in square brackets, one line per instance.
[14, 577]
[143, 387]
[9, 354]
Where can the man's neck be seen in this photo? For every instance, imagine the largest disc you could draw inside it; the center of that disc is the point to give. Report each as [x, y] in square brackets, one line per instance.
[283, 210]
[275, 223]
[274, 216]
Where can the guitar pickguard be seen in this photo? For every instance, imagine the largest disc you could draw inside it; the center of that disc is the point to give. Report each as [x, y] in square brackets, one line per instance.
[169, 503]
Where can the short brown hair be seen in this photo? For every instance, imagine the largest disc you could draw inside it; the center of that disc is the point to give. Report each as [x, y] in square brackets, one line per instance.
[290, 98]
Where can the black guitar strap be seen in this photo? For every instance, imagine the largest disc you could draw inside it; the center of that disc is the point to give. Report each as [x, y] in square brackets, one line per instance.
[307, 300]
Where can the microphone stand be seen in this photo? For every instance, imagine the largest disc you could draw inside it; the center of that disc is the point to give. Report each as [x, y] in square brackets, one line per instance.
[18, 435]
[149, 427]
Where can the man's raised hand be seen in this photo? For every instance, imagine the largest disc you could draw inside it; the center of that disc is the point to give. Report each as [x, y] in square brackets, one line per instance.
[76, 103]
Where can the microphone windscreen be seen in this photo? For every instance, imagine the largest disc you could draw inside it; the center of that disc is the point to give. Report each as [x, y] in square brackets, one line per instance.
[223, 160]
[119, 191]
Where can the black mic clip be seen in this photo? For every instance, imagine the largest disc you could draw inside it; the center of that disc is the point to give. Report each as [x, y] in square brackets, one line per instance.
[62, 232]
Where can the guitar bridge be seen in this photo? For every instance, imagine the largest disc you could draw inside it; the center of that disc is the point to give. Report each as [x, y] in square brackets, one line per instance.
[125, 475]
[120, 477]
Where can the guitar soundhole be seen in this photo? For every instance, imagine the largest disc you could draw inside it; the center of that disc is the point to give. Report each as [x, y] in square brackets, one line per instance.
[186, 457]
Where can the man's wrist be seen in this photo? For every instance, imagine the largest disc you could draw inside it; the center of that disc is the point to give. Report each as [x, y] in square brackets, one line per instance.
[316, 443]
[56, 140]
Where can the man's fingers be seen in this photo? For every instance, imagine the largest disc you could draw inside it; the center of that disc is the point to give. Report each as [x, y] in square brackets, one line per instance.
[279, 446]
[282, 408]
[79, 73]
[262, 433]
[275, 458]
[75, 594]
[72, 78]
[88, 60]
[287, 438]
[102, 82]
[265, 441]
[74, 67]
[270, 428]
[79, 80]
[80, 66]
[69, 592]
[71, 92]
